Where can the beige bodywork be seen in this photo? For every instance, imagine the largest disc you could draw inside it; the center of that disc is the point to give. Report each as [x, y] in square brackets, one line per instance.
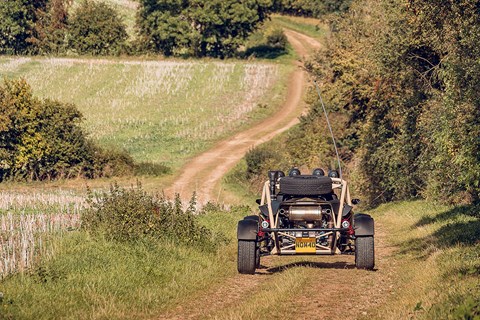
[338, 185]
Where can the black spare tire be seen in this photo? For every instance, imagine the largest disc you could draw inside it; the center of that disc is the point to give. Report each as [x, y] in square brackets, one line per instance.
[305, 185]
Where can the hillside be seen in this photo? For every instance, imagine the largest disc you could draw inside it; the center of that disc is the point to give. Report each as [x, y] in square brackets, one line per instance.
[159, 111]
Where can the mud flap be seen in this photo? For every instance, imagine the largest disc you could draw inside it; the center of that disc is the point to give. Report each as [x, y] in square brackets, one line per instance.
[363, 225]
[247, 230]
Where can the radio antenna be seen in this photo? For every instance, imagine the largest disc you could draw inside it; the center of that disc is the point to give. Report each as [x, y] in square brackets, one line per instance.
[329, 127]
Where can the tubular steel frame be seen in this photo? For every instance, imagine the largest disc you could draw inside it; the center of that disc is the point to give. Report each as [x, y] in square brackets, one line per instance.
[338, 184]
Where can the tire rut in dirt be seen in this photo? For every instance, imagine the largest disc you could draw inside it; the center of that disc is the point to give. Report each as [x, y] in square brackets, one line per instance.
[230, 293]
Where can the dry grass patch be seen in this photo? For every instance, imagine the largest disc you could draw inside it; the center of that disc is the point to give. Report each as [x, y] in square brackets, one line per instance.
[29, 222]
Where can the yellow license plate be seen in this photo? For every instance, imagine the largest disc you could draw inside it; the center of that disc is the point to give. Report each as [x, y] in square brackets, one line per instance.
[305, 245]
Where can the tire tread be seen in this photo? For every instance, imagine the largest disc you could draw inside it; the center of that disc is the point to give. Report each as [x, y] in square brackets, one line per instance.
[365, 253]
[246, 256]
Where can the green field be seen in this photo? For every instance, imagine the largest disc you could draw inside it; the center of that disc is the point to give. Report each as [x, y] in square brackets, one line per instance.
[159, 111]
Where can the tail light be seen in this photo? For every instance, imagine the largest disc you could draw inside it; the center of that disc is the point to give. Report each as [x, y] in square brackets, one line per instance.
[346, 224]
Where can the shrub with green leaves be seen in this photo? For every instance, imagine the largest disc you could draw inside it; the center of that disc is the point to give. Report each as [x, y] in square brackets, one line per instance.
[258, 159]
[276, 38]
[43, 140]
[132, 214]
[96, 28]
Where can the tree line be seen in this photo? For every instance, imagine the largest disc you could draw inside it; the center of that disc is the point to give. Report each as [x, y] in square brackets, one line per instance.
[216, 28]
[47, 27]
[401, 80]
[310, 8]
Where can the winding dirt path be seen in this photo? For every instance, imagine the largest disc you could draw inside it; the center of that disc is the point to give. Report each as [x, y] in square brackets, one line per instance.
[204, 172]
[326, 287]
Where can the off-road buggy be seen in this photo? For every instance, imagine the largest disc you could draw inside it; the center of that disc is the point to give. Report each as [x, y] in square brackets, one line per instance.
[305, 214]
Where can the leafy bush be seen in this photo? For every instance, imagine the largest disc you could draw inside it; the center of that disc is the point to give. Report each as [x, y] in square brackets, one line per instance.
[42, 139]
[132, 214]
[276, 38]
[108, 162]
[96, 28]
[258, 160]
[268, 44]
[151, 169]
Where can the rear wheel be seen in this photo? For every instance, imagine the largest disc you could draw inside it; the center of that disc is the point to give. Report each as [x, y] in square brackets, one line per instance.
[247, 252]
[364, 253]
[257, 257]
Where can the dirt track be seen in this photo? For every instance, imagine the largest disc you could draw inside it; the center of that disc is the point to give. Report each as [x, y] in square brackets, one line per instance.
[204, 172]
[327, 287]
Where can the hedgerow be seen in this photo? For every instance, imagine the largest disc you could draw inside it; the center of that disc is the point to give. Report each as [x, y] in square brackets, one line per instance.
[52, 27]
[400, 80]
[310, 8]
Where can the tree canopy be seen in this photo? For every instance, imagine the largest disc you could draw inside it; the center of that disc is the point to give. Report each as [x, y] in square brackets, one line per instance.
[17, 20]
[406, 75]
[96, 28]
[201, 28]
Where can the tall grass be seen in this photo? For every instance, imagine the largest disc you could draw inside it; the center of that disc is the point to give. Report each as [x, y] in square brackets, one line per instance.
[29, 221]
[25, 238]
[61, 202]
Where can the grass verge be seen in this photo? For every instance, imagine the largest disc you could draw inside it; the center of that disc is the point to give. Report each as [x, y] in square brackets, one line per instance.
[94, 278]
[437, 260]
[429, 253]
